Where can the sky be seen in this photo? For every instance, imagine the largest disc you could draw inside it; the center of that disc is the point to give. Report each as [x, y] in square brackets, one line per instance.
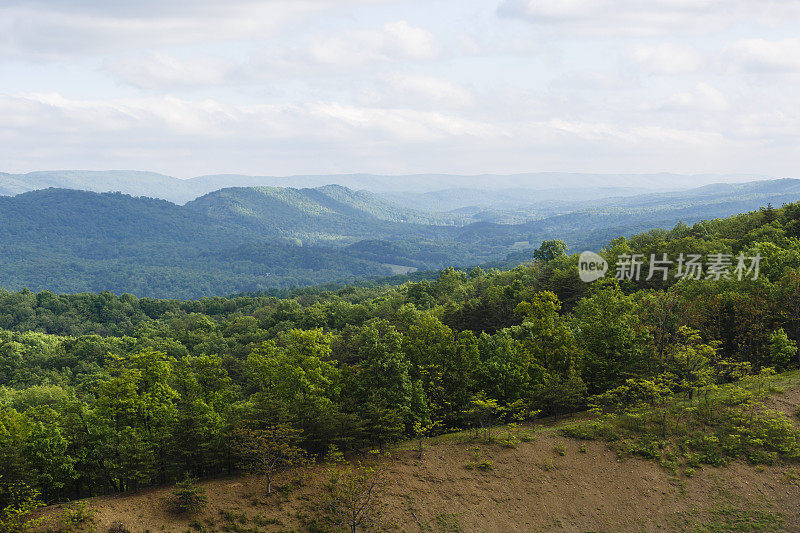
[274, 87]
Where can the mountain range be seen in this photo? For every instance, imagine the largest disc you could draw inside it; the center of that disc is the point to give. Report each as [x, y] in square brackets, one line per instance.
[255, 238]
[180, 191]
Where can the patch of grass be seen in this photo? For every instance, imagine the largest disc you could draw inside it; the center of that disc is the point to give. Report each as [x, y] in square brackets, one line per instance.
[231, 516]
[734, 519]
[264, 521]
[792, 476]
[238, 528]
[446, 523]
[598, 429]
[311, 523]
[560, 449]
[286, 489]
[478, 462]
[75, 517]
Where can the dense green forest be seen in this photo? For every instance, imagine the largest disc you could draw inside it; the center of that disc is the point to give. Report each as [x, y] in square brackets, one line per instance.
[103, 393]
[253, 239]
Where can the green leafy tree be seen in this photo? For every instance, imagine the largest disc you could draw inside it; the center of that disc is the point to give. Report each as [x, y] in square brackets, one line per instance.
[19, 502]
[382, 385]
[195, 421]
[782, 350]
[484, 412]
[47, 451]
[297, 381]
[615, 344]
[558, 395]
[550, 250]
[443, 361]
[545, 335]
[687, 364]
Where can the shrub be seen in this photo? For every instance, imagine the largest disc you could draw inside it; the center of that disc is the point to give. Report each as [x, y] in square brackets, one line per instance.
[77, 515]
[600, 429]
[188, 496]
[22, 502]
[509, 440]
[715, 431]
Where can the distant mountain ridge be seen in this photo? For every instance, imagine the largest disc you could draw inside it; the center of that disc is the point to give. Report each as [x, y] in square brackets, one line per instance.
[248, 239]
[76, 241]
[180, 191]
[331, 212]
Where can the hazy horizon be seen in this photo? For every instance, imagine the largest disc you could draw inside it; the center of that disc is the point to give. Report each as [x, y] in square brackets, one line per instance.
[736, 177]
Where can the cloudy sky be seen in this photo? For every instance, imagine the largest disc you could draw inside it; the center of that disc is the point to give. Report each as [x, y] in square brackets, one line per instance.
[275, 87]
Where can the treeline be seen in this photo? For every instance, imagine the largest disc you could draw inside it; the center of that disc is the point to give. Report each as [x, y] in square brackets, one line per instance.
[103, 393]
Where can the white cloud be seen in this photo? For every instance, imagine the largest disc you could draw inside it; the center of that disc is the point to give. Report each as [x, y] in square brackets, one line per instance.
[417, 91]
[208, 119]
[206, 135]
[290, 86]
[668, 58]
[594, 80]
[611, 18]
[761, 55]
[158, 70]
[615, 134]
[394, 41]
[703, 98]
[332, 54]
[53, 30]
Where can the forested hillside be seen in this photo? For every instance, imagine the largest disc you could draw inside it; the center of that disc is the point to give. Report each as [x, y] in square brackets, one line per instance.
[254, 239]
[329, 214]
[73, 241]
[103, 393]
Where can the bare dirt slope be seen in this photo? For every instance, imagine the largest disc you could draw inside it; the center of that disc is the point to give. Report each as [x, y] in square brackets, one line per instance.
[530, 488]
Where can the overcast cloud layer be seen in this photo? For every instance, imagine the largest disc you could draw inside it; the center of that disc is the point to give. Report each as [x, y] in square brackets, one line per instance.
[279, 87]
